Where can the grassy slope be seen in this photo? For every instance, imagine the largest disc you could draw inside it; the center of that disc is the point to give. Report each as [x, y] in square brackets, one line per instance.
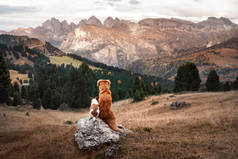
[14, 74]
[205, 129]
[58, 60]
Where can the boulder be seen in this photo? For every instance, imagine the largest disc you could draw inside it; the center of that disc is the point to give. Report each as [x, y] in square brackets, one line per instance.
[93, 133]
[178, 104]
[111, 149]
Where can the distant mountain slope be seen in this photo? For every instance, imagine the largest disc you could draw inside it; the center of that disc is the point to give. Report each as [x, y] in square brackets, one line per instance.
[223, 57]
[119, 42]
[51, 30]
[24, 50]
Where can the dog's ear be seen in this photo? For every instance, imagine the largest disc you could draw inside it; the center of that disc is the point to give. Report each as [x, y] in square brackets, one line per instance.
[91, 98]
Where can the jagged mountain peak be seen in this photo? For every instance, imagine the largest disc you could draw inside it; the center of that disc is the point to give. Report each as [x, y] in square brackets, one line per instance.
[94, 21]
[110, 22]
[90, 21]
[218, 21]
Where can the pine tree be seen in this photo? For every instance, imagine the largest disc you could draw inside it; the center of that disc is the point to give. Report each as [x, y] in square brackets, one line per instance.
[16, 99]
[16, 87]
[23, 92]
[138, 89]
[46, 100]
[235, 84]
[34, 96]
[36, 103]
[29, 75]
[157, 89]
[227, 86]
[137, 96]
[11, 92]
[55, 99]
[187, 78]
[212, 83]
[80, 86]
[4, 80]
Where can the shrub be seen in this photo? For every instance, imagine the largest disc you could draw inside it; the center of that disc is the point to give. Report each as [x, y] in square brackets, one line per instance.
[154, 102]
[147, 129]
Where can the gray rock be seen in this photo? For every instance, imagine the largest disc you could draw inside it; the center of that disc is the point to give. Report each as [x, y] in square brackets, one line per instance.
[93, 133]
[30, 107]
[111, 150]
[178, 104]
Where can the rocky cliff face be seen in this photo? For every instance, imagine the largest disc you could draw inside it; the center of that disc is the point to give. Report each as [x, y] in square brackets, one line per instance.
[51, 30]
[120, 42]
[107, 45]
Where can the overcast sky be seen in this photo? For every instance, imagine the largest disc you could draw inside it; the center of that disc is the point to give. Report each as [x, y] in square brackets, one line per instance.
[31, 13]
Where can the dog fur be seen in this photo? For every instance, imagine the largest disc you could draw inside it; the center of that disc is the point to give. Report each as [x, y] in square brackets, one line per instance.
[94, 108]
[105, 102]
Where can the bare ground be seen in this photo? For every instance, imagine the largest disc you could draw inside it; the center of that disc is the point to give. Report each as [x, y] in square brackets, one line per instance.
[207, 128]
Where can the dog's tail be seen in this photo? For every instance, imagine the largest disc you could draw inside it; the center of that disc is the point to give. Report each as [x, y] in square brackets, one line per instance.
[112, 124]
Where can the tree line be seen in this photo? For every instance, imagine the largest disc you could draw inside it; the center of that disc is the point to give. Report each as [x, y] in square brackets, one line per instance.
[52, 86]
[188, 79]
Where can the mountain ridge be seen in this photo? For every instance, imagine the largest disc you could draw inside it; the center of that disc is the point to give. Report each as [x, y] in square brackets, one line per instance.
[123, 43]
[221, 57]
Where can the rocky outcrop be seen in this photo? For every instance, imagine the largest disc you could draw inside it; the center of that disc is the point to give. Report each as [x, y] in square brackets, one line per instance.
[93, 133]
[178, 105]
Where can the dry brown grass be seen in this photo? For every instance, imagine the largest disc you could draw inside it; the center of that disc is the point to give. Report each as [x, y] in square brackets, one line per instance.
[208, 128]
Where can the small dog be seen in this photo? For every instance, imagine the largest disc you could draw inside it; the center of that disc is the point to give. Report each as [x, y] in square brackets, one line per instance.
[94, 108]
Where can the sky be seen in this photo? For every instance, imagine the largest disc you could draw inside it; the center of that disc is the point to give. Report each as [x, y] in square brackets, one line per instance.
[31, 13]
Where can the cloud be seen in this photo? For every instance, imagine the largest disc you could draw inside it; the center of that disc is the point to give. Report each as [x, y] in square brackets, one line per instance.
[134, 2]
[34, 12]
[6, 9]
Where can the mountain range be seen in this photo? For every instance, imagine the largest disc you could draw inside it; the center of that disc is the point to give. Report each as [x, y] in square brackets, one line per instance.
[150, 46]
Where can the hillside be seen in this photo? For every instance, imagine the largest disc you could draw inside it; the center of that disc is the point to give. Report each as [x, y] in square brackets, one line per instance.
[207, 128]
[21, 50]
[222, 57]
